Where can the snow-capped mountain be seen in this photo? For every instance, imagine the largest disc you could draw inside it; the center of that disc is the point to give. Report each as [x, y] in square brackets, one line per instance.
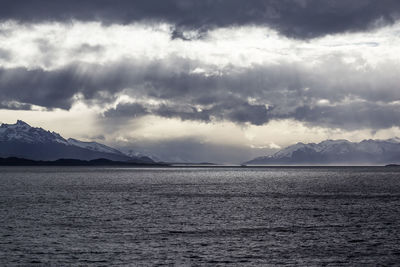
[23, 132]
[94, 146]
[22, 140]
[336, 152]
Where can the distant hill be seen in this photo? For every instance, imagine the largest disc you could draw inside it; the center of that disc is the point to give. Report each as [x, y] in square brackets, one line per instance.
[335, 152]
[393, 165]
[23, 141]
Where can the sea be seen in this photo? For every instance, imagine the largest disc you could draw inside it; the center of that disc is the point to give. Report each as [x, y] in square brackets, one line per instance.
[230, 216]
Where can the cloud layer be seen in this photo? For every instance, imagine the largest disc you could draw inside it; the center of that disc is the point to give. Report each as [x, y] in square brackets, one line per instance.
[328, 68]
[298, 18]
[332, 93]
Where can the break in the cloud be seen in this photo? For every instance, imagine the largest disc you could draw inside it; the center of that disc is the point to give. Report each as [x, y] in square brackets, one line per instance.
[233, 76]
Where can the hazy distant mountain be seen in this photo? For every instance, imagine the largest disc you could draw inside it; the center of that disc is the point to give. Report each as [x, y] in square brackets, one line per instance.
[23, 141]
[135, 154]
[335, 152]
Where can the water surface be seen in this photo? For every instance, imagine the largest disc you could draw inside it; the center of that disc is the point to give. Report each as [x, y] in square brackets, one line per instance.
[199, 216]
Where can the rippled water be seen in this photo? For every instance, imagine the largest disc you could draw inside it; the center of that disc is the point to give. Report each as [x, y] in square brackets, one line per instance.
[204, 216]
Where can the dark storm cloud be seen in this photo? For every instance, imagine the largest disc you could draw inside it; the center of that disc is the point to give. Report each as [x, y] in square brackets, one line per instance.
[296, 18]
[351, 116]
[332, 93]
[241, 111]
[50, 89]
[234, 110]
[185, 113]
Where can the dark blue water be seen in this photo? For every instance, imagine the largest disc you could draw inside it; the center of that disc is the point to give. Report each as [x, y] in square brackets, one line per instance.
[206, 216]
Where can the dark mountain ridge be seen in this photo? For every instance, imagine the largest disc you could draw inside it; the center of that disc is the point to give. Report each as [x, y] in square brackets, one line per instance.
[23, 141]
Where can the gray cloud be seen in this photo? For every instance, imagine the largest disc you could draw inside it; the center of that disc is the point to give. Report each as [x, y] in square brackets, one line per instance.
[295, 18]
[5, 54]
[98, 137]
[193, 150]
[87, 49]
[234, 110]
[351, 116]
[333, 93]
[48, 89]
[12, 105]
[131, 110]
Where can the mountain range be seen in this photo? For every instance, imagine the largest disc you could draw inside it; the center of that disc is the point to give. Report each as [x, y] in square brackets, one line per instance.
[23, 141]
[335, 152]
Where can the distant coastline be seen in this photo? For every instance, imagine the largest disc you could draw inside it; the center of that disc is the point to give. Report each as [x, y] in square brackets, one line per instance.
[14, 161]
[393, 165]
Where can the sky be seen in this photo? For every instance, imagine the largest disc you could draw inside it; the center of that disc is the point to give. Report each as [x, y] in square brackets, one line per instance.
[202, 80]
